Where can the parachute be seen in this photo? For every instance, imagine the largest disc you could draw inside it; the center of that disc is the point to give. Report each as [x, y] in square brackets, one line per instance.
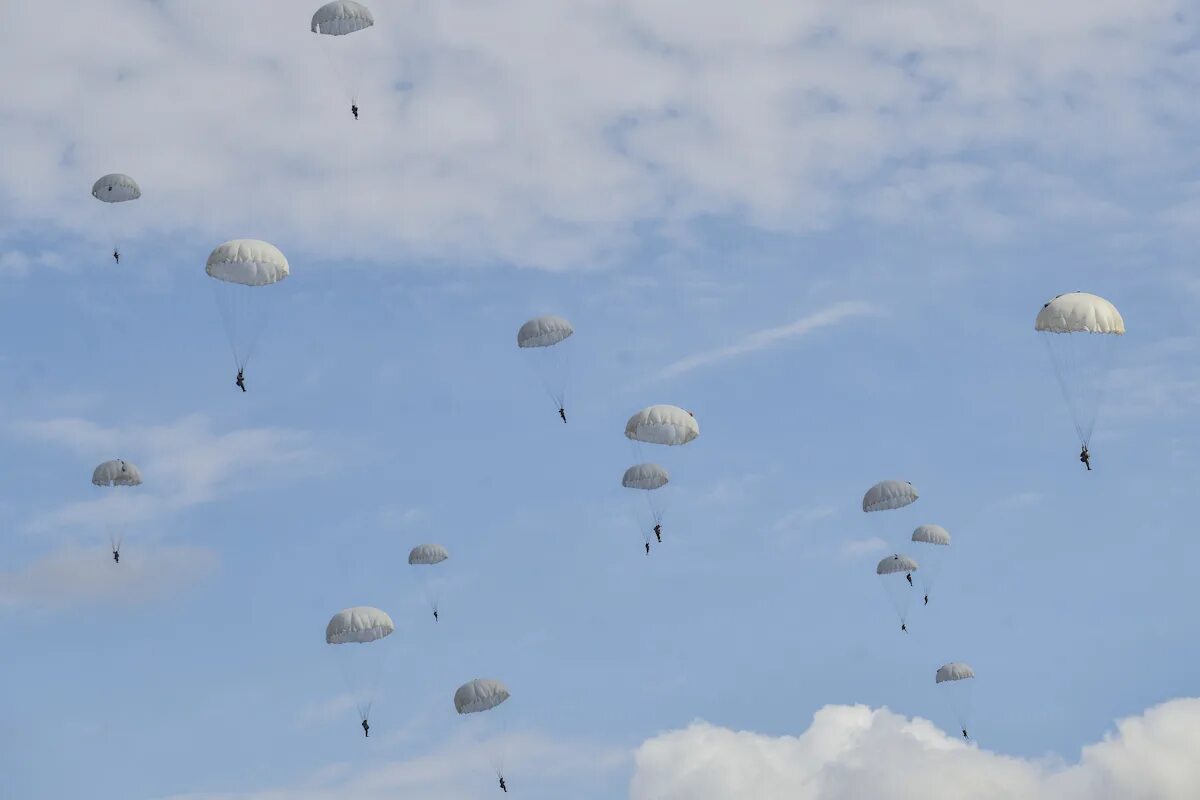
[892, 571]
[939, 540]
[332, 21]
[361, 667]
[111, 474]
[1081, 330]
[242, 267]
[652, 480]
[957, 679]
[429, 554]
[479, 695]
[543, 338]
[114, 190]
[888, 495]
[662, 424]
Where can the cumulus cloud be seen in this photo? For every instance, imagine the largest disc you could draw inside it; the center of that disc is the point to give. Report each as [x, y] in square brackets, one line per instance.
[78, 576]
[853, 752]
[548, 133]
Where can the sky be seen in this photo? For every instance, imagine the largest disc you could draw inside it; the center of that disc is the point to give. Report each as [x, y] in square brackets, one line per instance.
[824, 228]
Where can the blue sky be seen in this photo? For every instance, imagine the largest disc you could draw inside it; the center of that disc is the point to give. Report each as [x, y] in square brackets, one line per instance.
[826, 232]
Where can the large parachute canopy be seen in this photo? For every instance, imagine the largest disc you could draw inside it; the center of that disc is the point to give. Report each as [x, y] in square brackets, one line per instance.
[896, 563]
[1079, 331]
[341, 17]
[954, 671]
[892, 571]
[361, 667]
[956, 680]
[241, 267]
[427, 554]
[543, 338]
[645, 476]
[888, 495]
[662, 424]
[652, 480]
[481, 694]
[116, 188]
[358, 625]
[931, 534]
[116, 473]
[939, 540]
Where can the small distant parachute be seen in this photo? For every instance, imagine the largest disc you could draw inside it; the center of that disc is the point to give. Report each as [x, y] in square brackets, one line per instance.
[1081, 330]
[931, 534]
[481, 694]
[333, 21]
[662, 424]
[428, 555]
[652, 480]
[889, 495]
[892, 571]
[958, 681]
[543, 338]
[116, 472]
[361, 666]
[242, 267]
[116, 189]
[938, 539]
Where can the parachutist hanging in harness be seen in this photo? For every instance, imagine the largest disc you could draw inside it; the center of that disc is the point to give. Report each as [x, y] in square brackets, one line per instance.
[658, 531]
[1085, 458]
[904, 627]
[647, 548]
[366, 728]
[241, 381]
[562, 412]
[503, 785]
[354, 110]
[926, 599]
[964, 730]
[117, 556]
[435, 618]
[909, 577]
[117, 255]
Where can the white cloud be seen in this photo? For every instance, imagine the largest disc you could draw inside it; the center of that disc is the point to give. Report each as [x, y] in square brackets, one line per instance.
[853, 752]
[761, 340]
[857, 548]
[183, 464]
[78, 576]
[545, 133]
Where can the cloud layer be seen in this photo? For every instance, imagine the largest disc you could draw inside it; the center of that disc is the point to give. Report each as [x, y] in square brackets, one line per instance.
[852, 752]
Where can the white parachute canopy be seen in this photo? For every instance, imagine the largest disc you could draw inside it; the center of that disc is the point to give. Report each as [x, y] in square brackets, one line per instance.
[889, 495]
[956, 680]
[481, 694]
[115, 191]
[543, 339]
[651, 480]
[362, 667]
[241, 268]
[937, 540]
[662, 424]
[117, 473]
[892, 572]
[333, 21]
[1079, 330]
[427, 554]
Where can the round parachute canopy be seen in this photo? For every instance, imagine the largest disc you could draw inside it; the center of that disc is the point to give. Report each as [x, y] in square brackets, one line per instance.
[116, 473]
[427, 554]
[249, 262]
[544, 331]
[116, 188]
[645, 476]
[895, 563]
[1079, 312]
[669, 425]
[931, 534]
[341, 17]
[956, 671]
[359, 624]
[887, 495]
[478, 695]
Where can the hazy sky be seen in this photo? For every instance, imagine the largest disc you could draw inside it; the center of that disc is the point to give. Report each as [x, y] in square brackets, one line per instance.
[824, 228]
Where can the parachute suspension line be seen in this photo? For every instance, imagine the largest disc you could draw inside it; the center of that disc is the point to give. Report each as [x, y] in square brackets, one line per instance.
[244, 316]
[1081, 375]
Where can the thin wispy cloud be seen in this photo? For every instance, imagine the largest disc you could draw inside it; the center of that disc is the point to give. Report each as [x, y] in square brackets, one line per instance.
[858, 548]
[761, 340]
